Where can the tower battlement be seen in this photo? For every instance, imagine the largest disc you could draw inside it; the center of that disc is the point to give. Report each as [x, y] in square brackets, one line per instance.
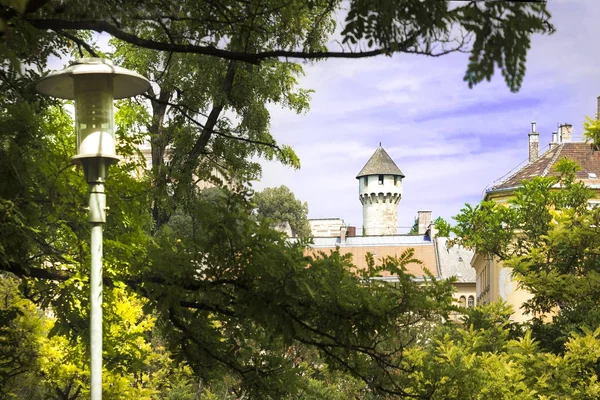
[375, 198]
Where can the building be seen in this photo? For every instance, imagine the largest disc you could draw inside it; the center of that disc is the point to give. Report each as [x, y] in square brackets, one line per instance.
[493, 280]
[323, 227]
[380, 191]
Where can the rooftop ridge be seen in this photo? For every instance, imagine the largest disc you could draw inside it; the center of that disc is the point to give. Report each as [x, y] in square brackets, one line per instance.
[579, 152]
[551, 163]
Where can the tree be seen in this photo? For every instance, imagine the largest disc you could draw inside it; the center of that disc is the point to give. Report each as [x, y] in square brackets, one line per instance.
[414, 229]
[484, 359]
[442, 227]
[229, 295]
[549, 237]
[280, 205]
[495, 33]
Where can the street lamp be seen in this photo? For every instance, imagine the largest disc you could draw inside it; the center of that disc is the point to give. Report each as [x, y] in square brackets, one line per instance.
[94, 83]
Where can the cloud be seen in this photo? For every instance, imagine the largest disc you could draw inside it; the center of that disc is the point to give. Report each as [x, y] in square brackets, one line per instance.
[450, 141]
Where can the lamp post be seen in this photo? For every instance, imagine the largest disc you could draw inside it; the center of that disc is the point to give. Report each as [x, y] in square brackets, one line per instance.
[94, 83]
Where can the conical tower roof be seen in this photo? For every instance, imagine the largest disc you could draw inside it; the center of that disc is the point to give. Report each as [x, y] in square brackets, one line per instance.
[380, 163]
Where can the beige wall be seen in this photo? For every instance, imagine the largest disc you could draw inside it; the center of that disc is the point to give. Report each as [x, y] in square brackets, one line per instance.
[424, 253]
[495, 282]
[465, 291]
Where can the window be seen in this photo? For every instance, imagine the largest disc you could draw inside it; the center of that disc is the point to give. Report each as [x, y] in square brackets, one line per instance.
[396, 180]
[381, 179]
[471, 301]
[463, 301]
[366, 181]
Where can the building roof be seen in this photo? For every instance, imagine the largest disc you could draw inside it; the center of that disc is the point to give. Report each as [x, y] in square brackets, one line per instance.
[380, 163]
[367, 241]
[580, 152]
[381, 247]
[455, 261]
[441, 261]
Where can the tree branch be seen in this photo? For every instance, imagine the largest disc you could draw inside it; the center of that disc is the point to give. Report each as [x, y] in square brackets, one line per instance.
[79, 42]
[213, 117]
[252, 58]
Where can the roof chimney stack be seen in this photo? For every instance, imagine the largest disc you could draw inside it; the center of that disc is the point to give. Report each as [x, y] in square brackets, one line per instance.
[554, 141]
[566, 133]
[534, 143]
[424, 219]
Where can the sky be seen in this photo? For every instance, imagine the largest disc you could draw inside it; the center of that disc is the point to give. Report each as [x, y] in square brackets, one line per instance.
[451, 142]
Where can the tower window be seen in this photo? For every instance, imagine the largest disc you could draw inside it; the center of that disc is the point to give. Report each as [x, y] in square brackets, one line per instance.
[381, 179]
[366, 181]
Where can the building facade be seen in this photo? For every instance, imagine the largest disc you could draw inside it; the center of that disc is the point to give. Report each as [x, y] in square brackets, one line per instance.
[494, 281]
[380, 191]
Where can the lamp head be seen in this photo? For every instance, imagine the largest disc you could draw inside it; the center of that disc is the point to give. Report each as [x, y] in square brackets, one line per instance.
[61, 83]
[93, 83]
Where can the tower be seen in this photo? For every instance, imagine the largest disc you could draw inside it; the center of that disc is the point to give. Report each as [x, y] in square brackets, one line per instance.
[380, 190]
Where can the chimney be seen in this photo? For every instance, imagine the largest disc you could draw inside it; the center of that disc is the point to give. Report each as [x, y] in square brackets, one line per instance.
[554, 141]
[351, 231]
[534, 143]
[566, 133]
[433, 232]
[424, 219]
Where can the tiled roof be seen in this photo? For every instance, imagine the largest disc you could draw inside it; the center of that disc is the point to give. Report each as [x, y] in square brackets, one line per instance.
[380, 163]
[424, 252]
[455, 261]
[580, 152]
[441, 261]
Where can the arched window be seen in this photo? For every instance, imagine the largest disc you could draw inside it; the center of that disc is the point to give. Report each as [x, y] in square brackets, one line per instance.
[471, 301]
[463, 301]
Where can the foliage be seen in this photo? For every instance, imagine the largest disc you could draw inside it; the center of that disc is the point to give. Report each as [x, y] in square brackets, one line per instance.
[549, 237]
[591, 132]
[496, 34]
[460, 364]
[229, 295]
[442, 227]
[414, 229]
[280, 205]
[196, 291]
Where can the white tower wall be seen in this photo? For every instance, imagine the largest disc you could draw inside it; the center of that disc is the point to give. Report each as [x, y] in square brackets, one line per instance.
[380, 203]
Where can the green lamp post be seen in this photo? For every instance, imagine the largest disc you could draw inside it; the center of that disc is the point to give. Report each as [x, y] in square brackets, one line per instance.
[94, 83]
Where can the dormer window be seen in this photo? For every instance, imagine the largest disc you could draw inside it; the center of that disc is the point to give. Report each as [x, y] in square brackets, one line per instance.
[381, 179]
